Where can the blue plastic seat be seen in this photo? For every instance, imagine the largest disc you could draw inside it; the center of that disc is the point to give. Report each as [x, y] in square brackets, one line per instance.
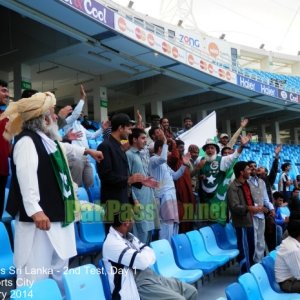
[83, 283]
[8, 181]
[269, 265]
[105, 280]
[82, 194]
[231, 234]
[6, 217]
[221, 237]
[211, 244]
[165, 264]
[250, 287]
[184, 255]
[46, 289]
[84, 248]
[95, 189]
[200, 252]
[12, 226]
[235, 291]
[273, 254]
[92, 228]
[265, 289]
[6, 254]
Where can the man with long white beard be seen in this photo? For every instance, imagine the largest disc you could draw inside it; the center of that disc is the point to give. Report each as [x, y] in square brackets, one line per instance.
[212, 168]
[41, 197]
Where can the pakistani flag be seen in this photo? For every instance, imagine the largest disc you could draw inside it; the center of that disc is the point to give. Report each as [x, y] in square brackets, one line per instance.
[63, 177]
[219, 200]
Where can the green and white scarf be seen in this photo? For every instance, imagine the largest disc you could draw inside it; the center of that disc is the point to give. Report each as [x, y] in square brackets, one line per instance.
[63, 176]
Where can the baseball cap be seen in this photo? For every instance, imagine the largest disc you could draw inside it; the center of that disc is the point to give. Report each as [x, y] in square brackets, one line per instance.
[224, 135]
[121, 120]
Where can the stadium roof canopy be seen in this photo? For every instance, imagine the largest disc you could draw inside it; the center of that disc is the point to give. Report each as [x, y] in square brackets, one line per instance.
[272, 23]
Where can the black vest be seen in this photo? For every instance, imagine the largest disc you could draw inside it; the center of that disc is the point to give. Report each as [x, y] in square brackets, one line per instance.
[51, 200]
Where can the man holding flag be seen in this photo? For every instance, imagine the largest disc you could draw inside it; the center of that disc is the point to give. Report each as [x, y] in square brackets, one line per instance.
[41, 197]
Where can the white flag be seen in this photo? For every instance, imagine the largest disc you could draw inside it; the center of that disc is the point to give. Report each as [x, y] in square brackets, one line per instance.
[198, 134]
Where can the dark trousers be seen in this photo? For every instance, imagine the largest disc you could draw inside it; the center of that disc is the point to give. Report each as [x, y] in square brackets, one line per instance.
[3, 180]
[246, 246]
[270, 232]
[291, 285]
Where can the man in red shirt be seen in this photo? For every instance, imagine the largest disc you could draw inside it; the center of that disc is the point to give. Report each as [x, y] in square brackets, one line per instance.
[4, 145]
[242, 208]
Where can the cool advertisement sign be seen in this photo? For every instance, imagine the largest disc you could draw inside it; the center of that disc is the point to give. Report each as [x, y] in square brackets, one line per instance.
[93, 10]
[287, 96]
[257, 86]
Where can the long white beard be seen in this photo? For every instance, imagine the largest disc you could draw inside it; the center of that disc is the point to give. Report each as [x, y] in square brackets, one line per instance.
[210, 158]
[52, 131]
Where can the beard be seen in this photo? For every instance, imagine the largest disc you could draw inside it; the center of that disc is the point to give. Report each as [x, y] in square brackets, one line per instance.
[52, 132]
[211, 157]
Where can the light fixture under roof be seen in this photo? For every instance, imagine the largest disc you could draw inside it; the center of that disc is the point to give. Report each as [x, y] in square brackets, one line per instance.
[47, 69]
[222, 36]
[129, 67]
[262, 46]
[130, 4]
[179, 23]
[84, 81]
[99, 56]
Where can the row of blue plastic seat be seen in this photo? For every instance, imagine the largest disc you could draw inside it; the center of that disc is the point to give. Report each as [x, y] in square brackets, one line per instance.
[83, 282]
[191, 255]
[259, 284]
[89, 240]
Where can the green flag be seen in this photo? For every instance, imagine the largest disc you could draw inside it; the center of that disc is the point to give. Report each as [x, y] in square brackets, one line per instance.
[65, 183]
[218, 204]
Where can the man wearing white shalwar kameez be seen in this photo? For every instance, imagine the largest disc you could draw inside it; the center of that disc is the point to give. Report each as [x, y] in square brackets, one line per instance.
[44, 231]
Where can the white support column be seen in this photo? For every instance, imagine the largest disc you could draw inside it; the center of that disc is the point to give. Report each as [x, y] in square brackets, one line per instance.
[228, 127]
[201, 114]
[276, 132]
[296, 134]
[296, 68]
[263, 133]
[265, 63]
[100, 101]
[156, 108]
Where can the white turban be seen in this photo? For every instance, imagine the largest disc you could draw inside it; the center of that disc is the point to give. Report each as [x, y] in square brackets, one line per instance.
[26, 109]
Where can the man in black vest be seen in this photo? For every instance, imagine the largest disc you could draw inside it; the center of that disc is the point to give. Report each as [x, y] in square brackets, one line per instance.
[41, 196]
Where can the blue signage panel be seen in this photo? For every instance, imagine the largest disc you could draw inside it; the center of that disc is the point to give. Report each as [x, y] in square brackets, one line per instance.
[256, 86]
[93, 10]
[288, 96]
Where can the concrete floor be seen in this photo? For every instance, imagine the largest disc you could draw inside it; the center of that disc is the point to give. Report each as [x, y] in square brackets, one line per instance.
[215, 287]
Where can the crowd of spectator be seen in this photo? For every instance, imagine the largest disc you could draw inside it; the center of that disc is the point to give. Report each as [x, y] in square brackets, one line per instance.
[146, 169]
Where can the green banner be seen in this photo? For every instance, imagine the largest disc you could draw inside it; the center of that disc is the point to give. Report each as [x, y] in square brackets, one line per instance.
[25, 85]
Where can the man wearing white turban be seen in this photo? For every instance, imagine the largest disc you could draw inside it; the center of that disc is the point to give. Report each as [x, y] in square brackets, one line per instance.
[41, 195]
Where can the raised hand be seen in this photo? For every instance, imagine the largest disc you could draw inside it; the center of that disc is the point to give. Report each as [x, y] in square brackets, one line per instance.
[82, 92]
[277, 150]
[244, 123]
[245, 139]
[186, 159]
[65, 111]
